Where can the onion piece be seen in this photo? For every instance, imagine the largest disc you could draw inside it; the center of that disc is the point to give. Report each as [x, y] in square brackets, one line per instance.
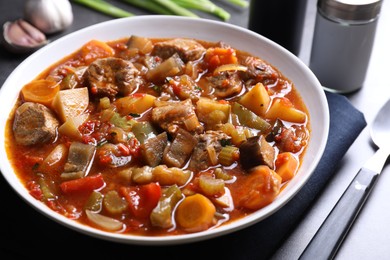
[229, 67]
[105, 222]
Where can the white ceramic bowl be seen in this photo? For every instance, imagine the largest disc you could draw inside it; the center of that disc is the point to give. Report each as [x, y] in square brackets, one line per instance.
[175, 26]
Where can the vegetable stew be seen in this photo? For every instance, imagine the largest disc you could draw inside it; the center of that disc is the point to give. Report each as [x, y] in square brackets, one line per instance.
[153, 136]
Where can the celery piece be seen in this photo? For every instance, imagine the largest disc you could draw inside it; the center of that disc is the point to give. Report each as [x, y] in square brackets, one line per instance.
[161, 215]
[122, 122]
[46, 189]
[113, 203]
[250, 119]
[94, 201]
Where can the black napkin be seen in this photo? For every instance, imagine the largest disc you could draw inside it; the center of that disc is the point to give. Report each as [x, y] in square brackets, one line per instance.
[25, 232]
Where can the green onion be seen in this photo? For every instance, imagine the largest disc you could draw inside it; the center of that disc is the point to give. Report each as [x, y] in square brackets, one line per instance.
[175, 8]
[149, 6]
[167, 7]
[241, 3]
[204, 6]
[104, 7]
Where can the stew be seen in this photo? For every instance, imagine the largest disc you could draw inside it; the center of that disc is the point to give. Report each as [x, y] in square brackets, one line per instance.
[153, 136]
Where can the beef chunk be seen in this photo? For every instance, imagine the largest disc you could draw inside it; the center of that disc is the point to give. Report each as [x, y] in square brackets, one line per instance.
[171, 115]
[200, 159]
[225, 84]
[34, 124]
[258, 71]
[187, 49]
[111, 76]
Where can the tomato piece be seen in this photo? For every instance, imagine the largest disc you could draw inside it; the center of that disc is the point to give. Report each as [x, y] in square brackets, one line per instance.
[142, 199]
[85, 184]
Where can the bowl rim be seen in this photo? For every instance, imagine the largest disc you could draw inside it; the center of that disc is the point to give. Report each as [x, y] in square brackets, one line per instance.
[163, 20]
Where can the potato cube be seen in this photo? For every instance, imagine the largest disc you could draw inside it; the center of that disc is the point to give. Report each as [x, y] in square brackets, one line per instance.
[283, 109]
[135, 104]
[69, 103]
[256, 100]
[71, 127]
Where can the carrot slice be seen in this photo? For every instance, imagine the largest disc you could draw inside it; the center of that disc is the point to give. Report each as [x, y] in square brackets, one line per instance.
[195, 213]
[94, 50]
[286, 166]
[40, 91]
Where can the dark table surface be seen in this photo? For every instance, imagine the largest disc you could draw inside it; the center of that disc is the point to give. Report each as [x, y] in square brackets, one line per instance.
[368, 239]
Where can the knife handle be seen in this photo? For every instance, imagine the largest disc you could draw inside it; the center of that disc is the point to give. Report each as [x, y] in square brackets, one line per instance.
[330, 235]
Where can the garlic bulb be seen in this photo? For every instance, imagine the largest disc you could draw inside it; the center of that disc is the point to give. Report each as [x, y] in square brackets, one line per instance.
[49, 16]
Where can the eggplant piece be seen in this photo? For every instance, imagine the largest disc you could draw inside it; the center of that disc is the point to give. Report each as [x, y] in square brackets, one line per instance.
[256, 151]
[180, 150]
[152, 149]
[79, 161]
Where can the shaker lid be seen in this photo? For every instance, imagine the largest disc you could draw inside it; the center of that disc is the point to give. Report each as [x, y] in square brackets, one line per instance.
[351, 10]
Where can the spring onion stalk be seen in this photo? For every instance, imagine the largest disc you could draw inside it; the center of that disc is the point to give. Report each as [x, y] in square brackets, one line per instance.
[175, 8]
[241, 3]
[104, 7]
[204, 6]
[149, 6]
[167, 7]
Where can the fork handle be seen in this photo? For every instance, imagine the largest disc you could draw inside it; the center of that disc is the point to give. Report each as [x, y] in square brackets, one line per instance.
[330, 235]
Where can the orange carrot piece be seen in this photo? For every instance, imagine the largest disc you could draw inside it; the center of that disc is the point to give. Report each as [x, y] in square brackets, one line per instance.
[94, 50]
[195, 213]
[286, 166]
[40, 91]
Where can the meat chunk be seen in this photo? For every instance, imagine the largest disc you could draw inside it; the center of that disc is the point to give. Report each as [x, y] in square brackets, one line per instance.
[182, 87]
[172, 115]
[256, 151]
[178, 153]
[258, 71]
[34, 124]
[209, 144]
[187, 49]
[226, 84]
[111, 76]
